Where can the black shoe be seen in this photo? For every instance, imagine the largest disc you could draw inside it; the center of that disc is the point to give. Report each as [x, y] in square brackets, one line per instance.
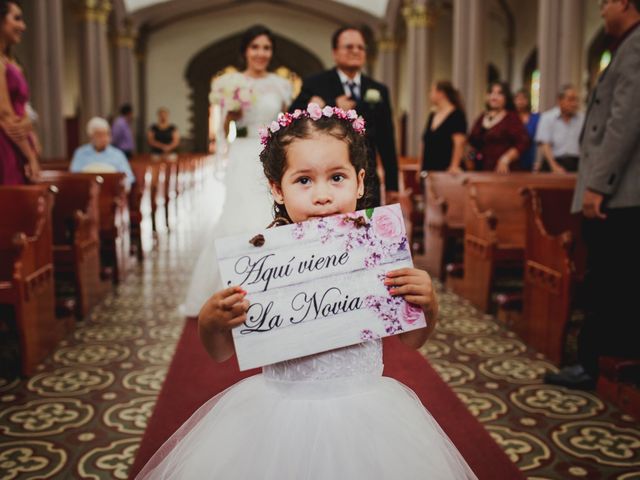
[574, 376]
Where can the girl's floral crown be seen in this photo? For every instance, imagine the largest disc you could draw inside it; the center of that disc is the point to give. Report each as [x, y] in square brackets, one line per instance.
[314, 112]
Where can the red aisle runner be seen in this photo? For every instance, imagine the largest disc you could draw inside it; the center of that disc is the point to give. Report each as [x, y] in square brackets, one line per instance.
[193, 378]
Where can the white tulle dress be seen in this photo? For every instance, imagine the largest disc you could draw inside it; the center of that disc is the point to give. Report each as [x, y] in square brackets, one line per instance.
[248, 204]
[328, 416]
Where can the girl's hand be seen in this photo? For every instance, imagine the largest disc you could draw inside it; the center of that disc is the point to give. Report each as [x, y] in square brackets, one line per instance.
[416, 287]
[224, 310]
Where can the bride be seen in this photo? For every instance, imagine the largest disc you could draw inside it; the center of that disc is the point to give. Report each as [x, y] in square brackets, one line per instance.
[248, 203]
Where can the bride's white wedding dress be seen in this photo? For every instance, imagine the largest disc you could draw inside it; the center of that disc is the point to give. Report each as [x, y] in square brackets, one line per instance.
[327, 416]
[248, 204]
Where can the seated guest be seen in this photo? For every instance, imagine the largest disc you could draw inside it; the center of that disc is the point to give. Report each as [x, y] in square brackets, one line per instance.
[559, 133]
[163, 137]
[445, 135]
[522, 101]
[122, 136]
[498, 137]
[98, 156]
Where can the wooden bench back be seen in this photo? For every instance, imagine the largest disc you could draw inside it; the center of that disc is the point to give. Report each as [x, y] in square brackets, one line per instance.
[113, 195]
[77, 199]
[497, 200]
[548, 215]
[26, 220]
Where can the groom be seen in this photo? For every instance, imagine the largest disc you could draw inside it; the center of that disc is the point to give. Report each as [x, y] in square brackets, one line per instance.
[346, 87]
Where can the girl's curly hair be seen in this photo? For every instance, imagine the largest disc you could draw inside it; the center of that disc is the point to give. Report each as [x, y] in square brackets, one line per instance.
[274, 155]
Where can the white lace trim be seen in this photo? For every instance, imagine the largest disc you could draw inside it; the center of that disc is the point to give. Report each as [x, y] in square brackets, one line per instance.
[356, 360]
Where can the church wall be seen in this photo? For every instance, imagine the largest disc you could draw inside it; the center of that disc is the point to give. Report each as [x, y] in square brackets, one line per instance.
[526, 19]
[171, 49]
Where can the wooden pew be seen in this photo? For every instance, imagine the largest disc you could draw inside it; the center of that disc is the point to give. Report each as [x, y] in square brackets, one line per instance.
[554, 265]
[444, 198]
[139, 190]
[494, 229]
[76, 239]
[26, 271]
[411, 200]
[114, 220]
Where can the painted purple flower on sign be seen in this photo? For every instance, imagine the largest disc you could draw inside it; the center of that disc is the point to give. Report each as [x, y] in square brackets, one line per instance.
[298, 231]
[367, 335]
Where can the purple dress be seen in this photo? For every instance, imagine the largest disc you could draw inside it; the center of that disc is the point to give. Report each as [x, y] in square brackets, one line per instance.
[11, 167]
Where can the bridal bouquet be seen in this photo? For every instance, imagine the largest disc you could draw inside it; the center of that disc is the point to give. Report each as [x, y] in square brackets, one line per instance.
[232, 92]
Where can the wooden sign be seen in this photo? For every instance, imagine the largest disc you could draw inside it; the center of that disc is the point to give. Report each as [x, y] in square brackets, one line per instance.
[318, 285]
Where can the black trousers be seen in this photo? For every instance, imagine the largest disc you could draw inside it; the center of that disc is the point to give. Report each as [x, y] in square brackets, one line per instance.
[612, 288]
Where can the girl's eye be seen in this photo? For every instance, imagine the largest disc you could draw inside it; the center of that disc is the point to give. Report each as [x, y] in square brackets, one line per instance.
[338, 177]
[304, 180]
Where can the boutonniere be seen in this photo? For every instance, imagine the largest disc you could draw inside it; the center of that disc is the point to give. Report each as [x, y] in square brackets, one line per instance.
[372, 96]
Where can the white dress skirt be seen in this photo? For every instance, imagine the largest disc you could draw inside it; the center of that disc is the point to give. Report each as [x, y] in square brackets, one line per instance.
[324, 417]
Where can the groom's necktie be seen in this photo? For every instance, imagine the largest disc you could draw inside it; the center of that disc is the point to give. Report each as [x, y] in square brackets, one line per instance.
[353, 89]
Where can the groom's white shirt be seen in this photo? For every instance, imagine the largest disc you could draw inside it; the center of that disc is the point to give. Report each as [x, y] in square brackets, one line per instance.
[344, 79]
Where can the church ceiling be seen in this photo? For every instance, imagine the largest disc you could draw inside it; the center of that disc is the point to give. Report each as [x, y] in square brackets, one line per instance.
[376, 8]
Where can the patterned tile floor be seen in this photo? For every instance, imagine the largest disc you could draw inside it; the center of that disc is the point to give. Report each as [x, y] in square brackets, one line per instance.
[84, 413]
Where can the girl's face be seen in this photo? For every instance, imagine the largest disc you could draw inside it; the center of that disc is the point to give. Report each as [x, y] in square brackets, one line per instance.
[13, 25]
[259, 53]
[319, 179]
[496, 99]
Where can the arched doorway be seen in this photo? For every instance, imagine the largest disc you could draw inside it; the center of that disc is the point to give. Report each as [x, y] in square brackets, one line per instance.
[225, 52]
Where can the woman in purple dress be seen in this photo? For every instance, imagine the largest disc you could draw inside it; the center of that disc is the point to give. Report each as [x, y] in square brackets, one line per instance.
[18, 143]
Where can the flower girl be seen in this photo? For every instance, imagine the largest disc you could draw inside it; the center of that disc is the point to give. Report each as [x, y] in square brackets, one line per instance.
[330, 415]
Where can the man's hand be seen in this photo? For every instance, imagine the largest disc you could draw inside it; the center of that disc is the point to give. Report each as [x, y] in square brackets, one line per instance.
[557, 168]
[592, 205]
[345, 103]
[318, 100]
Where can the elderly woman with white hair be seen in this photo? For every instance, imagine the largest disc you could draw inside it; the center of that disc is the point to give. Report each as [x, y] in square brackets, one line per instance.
[98, 156]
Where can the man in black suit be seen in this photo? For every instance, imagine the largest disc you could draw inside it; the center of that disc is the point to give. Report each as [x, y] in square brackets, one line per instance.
[346, 87]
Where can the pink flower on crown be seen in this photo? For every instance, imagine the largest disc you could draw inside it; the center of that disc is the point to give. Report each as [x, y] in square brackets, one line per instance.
[283, 120]
[327, 111]
[264, 134]
[274, 127]
[352, 114]
[314, 111]
[296, 114]
[358, 125]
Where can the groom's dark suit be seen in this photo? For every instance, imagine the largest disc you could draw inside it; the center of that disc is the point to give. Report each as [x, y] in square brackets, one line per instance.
[377, 116]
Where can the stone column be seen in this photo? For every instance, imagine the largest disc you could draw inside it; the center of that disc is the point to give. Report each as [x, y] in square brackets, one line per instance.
[560, 32]
[420, 18]
[124, 65]
[469, 54]
[94, 59]
[387, 64]
[47, 84]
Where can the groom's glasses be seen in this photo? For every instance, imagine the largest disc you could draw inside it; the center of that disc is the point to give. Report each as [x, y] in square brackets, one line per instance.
[359, 48]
